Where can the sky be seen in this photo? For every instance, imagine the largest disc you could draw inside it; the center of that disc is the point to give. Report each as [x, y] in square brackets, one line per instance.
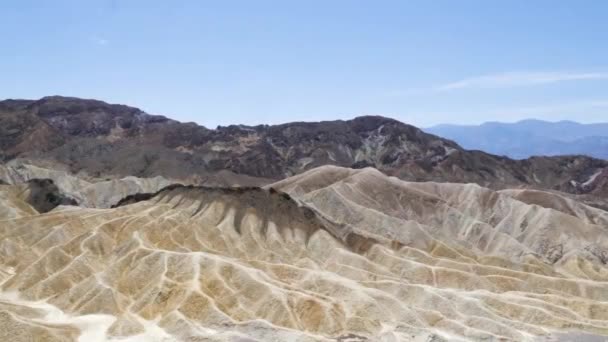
[254, 62]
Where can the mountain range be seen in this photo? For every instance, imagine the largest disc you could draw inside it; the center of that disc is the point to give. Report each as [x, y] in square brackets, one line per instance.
[527, 138]
[95, 139]
[118, 225]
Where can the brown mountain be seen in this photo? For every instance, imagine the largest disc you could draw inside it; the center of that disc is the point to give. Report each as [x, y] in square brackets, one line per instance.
[105, 140]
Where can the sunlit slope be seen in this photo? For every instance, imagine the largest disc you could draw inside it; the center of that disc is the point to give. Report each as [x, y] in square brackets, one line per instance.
[349, 255]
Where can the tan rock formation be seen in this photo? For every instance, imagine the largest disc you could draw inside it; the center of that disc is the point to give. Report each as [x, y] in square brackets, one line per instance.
[348, 255]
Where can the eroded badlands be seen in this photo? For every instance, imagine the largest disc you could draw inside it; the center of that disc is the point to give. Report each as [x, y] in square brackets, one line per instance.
[333, 254]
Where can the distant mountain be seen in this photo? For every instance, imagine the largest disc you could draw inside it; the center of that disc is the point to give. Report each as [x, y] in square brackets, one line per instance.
[528, 138]
[95, 139]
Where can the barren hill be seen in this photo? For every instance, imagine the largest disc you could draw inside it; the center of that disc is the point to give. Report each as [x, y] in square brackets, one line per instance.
[333, 254]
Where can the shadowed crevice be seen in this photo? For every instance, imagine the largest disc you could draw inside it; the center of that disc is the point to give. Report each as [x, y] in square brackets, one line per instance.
[45, 196]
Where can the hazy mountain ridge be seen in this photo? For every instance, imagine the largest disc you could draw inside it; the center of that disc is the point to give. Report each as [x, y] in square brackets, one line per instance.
[528, 138]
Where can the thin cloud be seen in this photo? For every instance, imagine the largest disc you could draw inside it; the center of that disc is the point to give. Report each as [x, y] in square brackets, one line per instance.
[101, 41]
[569, 109]
[517, 79]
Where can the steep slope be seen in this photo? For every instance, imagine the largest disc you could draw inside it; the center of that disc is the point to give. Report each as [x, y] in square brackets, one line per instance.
[349, 255]
[528, 138]
[93, 193]
[494, 223]
[100, 140]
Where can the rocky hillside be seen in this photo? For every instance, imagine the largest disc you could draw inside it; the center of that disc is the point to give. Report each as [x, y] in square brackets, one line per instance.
[96, 139]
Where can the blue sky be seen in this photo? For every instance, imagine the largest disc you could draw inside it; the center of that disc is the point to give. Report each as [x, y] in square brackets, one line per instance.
[225, 62]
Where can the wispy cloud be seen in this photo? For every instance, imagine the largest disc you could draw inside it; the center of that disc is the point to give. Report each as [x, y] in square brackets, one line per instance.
[500, 80]
[517, 79]
[569, 109]
[101, 41]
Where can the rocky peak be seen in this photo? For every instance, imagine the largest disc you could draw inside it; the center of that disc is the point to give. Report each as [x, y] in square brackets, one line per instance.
[80, 117]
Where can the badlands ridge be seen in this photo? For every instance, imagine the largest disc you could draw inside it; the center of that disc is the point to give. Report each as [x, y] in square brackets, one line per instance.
[332, 254]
